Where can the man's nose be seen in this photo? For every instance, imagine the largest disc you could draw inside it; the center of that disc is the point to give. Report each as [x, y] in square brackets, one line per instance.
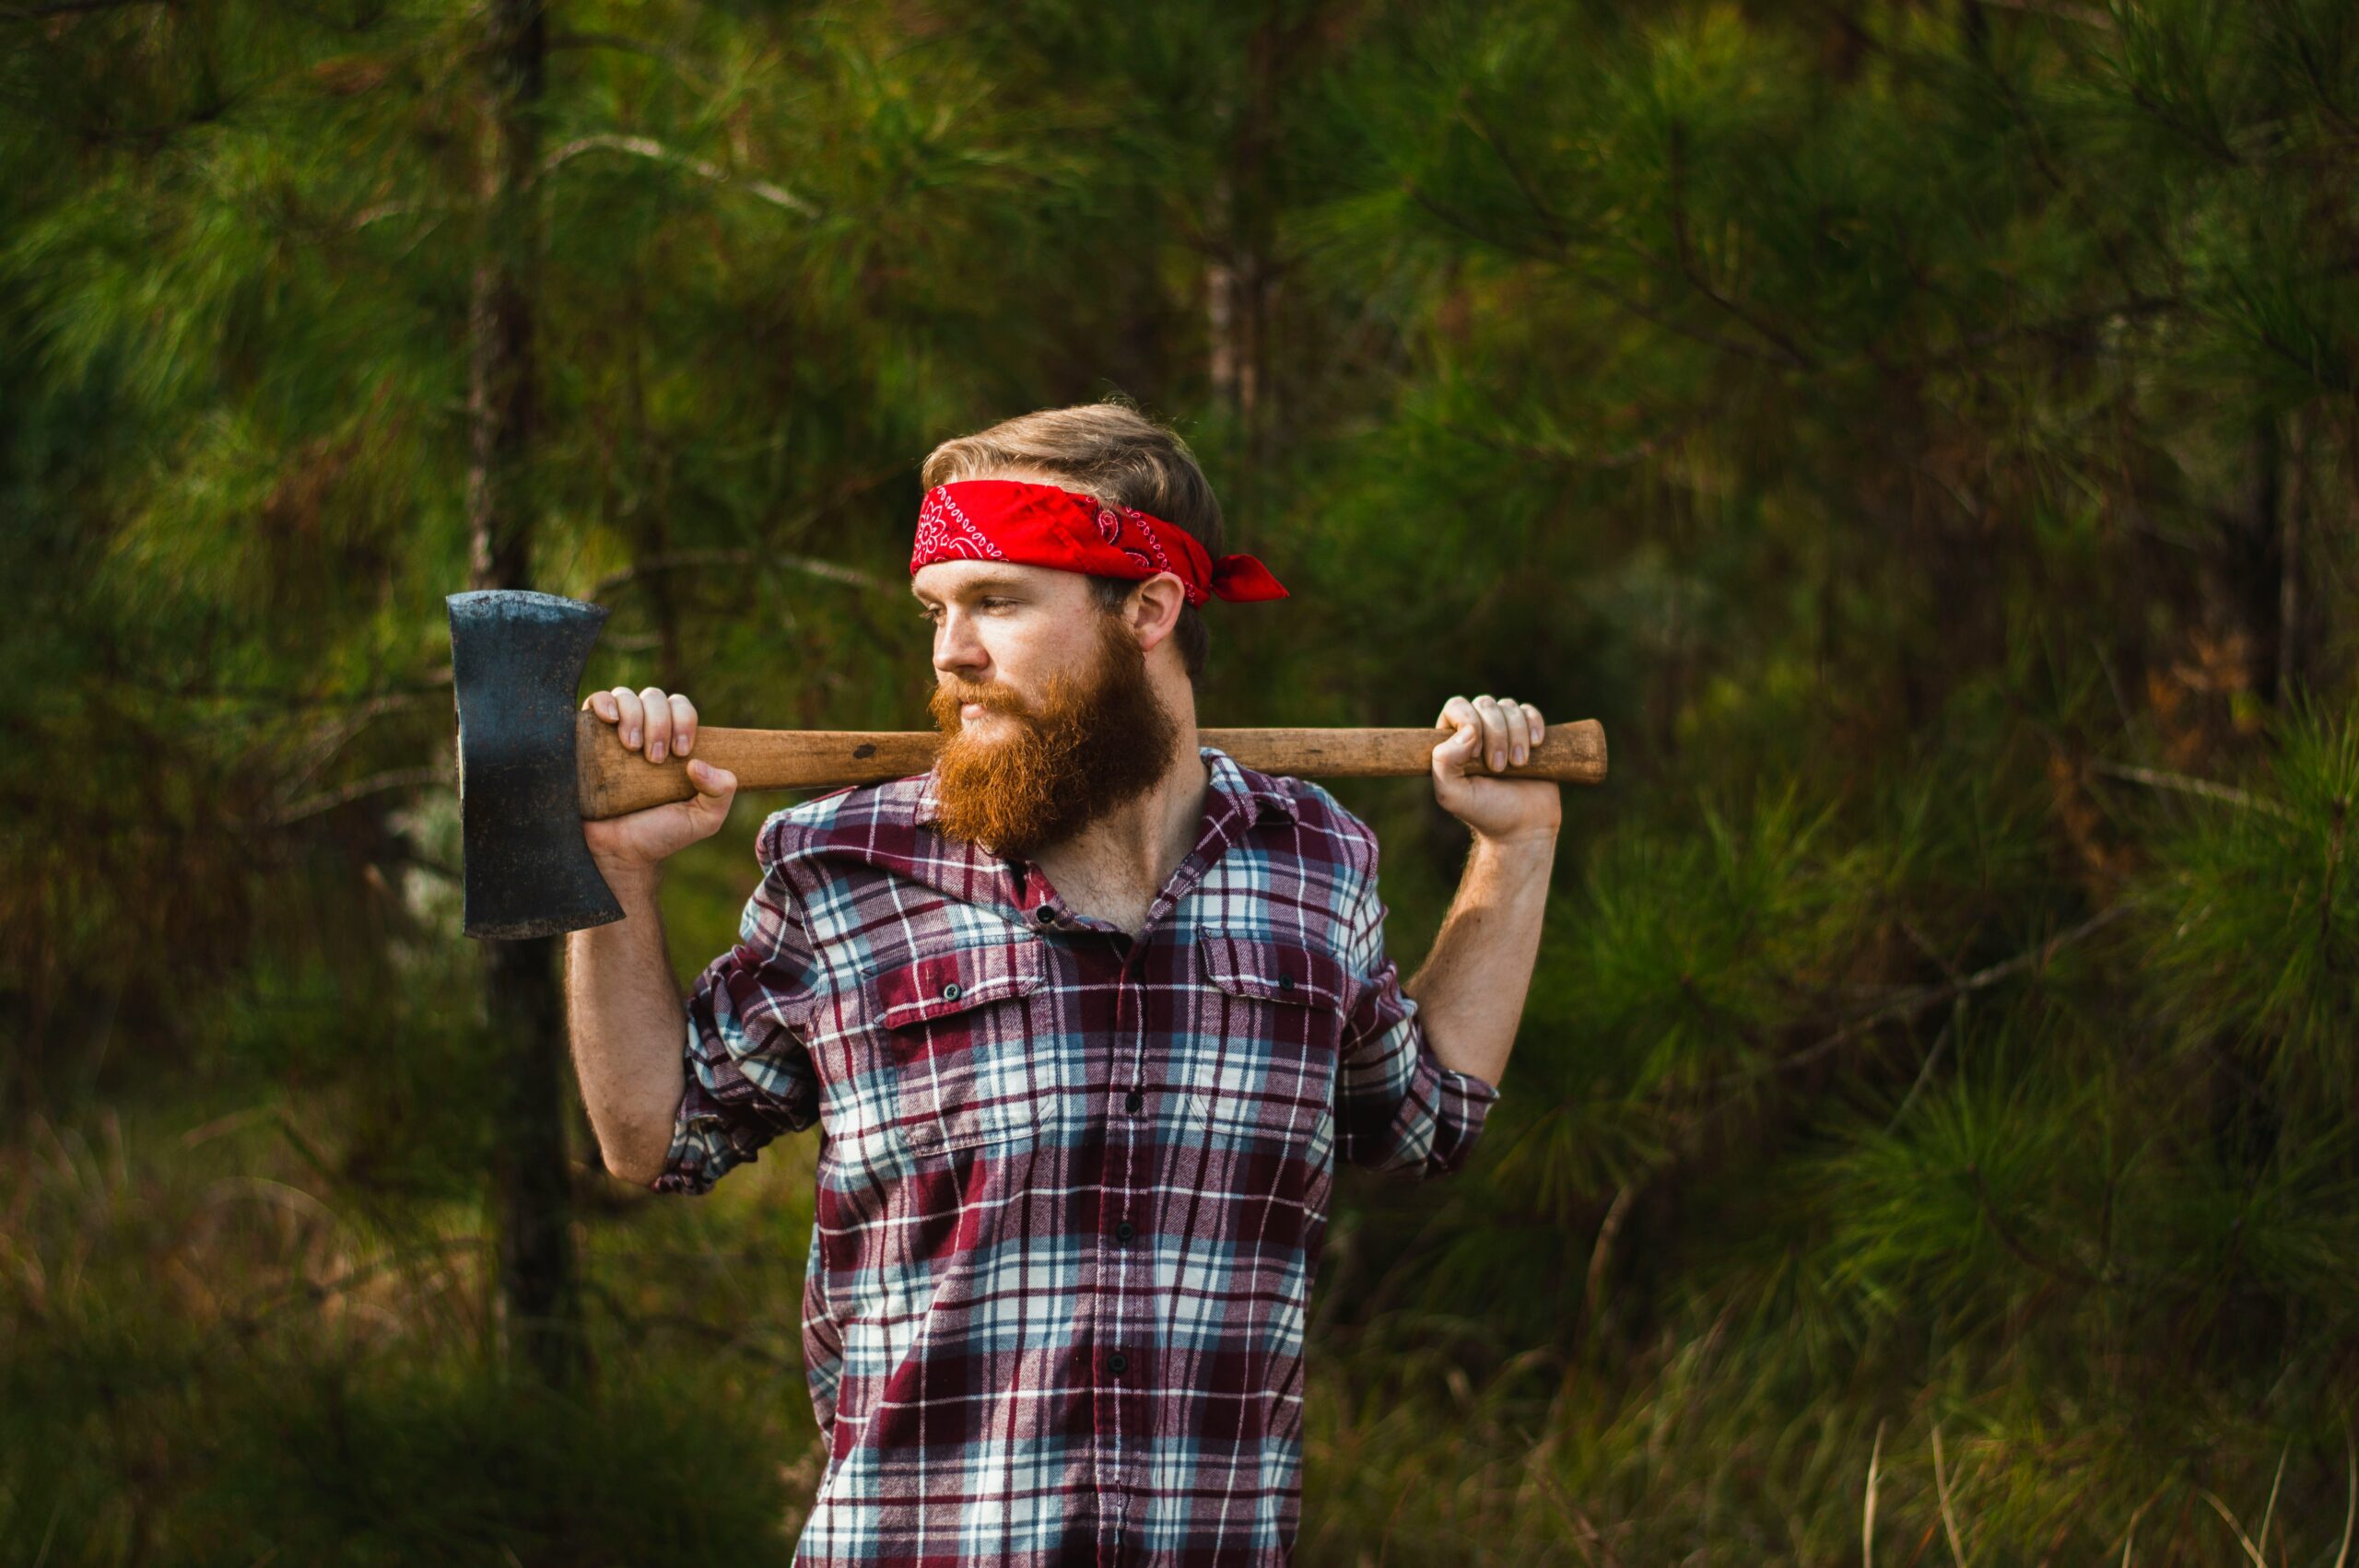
[958, 650]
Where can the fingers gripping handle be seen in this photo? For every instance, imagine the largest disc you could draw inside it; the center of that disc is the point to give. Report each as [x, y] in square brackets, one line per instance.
[614, 779]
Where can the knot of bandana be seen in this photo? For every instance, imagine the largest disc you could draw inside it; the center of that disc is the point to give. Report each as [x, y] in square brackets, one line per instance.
[1045, 525]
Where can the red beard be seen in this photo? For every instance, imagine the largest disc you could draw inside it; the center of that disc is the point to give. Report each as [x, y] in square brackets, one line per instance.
[1092, 743]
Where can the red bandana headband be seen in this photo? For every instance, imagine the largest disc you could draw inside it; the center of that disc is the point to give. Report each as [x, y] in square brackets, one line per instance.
[1045, 526]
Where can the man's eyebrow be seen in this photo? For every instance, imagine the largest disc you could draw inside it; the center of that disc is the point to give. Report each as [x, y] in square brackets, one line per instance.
[991, 582]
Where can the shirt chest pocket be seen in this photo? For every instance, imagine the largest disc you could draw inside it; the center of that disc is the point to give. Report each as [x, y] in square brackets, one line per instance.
[1279, 1029]
[956, 1025]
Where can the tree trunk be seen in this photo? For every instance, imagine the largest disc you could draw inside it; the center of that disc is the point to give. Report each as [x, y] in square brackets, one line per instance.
[2290, 673]
[1233, 307]
[2250, 601]
[538, 1314]
[1240, 279]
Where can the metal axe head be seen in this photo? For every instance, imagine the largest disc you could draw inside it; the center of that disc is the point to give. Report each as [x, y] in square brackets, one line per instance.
[516, 659]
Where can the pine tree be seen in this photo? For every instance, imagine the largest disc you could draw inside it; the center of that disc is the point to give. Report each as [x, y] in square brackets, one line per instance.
[1920, 433]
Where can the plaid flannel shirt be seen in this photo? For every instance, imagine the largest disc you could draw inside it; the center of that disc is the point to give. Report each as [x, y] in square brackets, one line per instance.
[1072, 1188]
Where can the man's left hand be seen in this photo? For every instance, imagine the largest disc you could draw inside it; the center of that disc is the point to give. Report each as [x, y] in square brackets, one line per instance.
[1494, 733]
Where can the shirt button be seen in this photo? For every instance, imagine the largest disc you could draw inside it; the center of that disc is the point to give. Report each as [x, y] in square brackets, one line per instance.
[1286, 982]
[950, 991]
[1044, 913]
[1134, 1102]
[1125, 1231]
[1118, 1364]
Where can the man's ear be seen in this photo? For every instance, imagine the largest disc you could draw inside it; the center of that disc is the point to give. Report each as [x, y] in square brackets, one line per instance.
[1153, 613]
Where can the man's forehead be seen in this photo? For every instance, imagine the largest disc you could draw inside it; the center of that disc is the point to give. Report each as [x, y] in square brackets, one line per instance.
[964, 579]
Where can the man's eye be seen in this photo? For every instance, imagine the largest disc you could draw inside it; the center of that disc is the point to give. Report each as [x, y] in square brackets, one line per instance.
[997, 604]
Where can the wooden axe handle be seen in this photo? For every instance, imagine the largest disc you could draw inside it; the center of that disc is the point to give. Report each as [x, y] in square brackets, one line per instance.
[614, 780]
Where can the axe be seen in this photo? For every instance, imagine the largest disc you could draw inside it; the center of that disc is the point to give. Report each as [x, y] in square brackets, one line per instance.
[533, 765]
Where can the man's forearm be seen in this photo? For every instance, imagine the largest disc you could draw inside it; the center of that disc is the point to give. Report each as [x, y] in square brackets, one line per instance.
[628, 1023]
[1471, 987]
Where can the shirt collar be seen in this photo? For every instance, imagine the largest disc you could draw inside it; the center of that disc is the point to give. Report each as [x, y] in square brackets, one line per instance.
[1257, 793]
[1235, 798]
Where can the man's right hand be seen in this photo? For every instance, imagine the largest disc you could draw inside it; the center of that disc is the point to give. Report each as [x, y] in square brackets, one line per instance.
[659, 725]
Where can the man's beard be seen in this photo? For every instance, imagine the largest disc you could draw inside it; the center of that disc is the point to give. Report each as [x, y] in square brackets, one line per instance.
[1092, 743]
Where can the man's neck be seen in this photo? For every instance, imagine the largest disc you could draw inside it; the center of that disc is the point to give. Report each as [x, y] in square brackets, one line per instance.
[1113, 868]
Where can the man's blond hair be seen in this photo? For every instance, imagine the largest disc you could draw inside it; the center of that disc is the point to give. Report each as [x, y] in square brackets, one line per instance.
[1113, 452]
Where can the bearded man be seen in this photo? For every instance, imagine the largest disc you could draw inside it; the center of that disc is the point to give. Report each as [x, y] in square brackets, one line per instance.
[1085, 1015]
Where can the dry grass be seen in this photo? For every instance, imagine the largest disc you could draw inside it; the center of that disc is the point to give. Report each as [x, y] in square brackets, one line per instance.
[213, 1351]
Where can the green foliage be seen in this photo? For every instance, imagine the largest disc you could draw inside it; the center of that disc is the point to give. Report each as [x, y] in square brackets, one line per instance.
[2257, 926]
[1921, 434]
[208, 1362]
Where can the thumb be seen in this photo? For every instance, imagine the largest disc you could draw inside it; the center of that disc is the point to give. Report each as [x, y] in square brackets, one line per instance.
[1454, 755]
[716, 787]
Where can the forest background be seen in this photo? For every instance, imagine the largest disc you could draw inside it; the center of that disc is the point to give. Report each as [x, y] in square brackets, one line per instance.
[1922, 431]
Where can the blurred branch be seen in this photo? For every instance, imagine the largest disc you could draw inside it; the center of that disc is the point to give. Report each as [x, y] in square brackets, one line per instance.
[1562, 256]
[2155, 778]
[398, 857]
[1794, 353]
[1787, 353]
[655, 151]
[1925, 1073]
[372, 784]
[1924, 944]
[2014, 1243]
[383, 210]
[1601, 1251]
[675, 560]
[327, 742]
[1917, 1002]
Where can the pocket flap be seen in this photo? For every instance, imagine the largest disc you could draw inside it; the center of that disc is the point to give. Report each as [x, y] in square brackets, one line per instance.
[1272, 968]
[935, 985]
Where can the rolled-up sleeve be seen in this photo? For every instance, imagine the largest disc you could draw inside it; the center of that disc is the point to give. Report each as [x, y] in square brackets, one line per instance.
[1397, 1107]
[749, 1073]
